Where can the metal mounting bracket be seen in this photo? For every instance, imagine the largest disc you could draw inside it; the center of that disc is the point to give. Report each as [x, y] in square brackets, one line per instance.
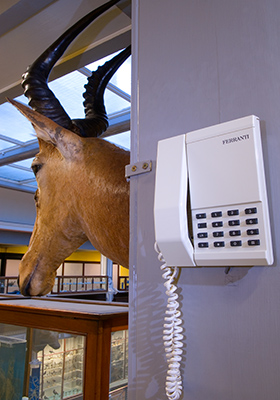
[138, 168]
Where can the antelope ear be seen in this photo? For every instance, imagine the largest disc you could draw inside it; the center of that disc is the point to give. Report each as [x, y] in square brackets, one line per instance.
[68, 143]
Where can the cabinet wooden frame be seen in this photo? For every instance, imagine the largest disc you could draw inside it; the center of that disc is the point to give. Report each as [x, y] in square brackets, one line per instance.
[95, 326]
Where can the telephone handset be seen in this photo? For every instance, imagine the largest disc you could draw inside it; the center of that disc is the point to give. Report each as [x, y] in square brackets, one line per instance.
[222, 168]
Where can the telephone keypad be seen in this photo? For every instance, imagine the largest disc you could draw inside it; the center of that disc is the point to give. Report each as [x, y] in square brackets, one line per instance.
[218, 234]
[202, 235]
[200, 215]
[234, 222]
[252, 221]
[202, 225]
[219, 244]
[243, 237]
[252, 210]
[230, 213]
[217, 224]
[252, 232]
[255, 242]
[236, 243]
[203, 244]
[216, 214]
[235, 233]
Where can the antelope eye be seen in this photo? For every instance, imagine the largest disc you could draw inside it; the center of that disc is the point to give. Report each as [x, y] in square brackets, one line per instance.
[35, 168]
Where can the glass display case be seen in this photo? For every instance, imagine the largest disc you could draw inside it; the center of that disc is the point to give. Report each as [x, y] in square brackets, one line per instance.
[12, 361]
[119, 359]
[53, 349]
[62, 367]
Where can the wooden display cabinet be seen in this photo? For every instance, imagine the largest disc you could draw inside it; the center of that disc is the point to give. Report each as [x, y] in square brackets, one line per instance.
[93, 322]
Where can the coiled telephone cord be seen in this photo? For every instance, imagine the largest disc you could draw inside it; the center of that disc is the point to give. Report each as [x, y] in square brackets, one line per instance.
[172, 332]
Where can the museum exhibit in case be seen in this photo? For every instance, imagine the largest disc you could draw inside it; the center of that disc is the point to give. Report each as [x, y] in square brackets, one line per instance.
[119, 359]
[12, 361]
[61, 374]
[62, 349]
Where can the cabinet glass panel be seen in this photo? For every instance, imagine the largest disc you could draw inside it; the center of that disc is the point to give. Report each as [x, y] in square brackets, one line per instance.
[119, 368]
[62, 367]
[13, 347]
[48, 365]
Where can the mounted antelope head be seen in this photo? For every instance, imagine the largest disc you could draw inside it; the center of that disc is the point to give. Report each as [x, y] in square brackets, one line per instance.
[82, 191]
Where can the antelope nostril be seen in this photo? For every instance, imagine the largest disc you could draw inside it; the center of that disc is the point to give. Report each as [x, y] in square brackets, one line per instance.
[26, 287]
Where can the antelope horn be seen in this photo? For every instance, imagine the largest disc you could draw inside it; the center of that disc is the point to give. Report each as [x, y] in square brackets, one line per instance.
[35, 79]
[96, 120]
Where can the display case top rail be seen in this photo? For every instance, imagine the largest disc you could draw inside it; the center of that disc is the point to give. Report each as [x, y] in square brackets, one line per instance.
[74, 316]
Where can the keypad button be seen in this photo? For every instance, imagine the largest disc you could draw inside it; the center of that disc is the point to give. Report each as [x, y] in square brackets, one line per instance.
[202, 245]
[252, 221]
[217, 224]
[219, 244]
[234, 222]
[254, 242]
[236, 243]
[202, 235]
[218, 234]
[252, 210]
[200, 215]
[252, 232]
[202, 225]
[230, 213]
[216, 214]
[235, 233]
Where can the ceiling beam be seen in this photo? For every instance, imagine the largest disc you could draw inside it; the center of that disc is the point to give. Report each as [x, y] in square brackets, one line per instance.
[15, 226]
[12, 155]
[4, 183]
[20, 12]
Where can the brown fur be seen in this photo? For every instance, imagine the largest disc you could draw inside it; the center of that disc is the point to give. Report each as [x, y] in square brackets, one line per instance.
[82, 194]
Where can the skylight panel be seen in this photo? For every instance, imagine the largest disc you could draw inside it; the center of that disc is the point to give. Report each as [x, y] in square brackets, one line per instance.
[122, 140]
[122, 77]
[25, 163]
[13, 124]
[4, 144]
[15, 174]
[69, 90]
[114, 103]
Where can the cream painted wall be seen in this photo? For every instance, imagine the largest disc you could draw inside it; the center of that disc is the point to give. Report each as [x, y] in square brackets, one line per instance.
[17, 207]
[92, 269]
[12, 267]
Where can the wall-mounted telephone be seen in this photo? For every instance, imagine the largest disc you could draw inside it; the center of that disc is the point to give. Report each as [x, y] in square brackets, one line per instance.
[218, 171]
[215, 176]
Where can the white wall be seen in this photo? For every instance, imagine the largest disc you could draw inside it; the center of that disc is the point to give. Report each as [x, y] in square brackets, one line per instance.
[73, 269]
[92, 269]
[12, 267]
[198, 63]
[17, 216]
[17, 207]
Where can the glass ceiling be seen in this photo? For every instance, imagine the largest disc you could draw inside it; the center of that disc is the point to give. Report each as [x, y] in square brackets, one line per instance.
[17, 134]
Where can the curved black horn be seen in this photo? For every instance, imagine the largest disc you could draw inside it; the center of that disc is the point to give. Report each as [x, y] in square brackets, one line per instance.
[96, 120]
[35, 80]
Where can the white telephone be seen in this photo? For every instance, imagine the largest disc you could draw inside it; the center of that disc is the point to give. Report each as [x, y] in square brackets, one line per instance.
[222, 167]
[215, 175]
